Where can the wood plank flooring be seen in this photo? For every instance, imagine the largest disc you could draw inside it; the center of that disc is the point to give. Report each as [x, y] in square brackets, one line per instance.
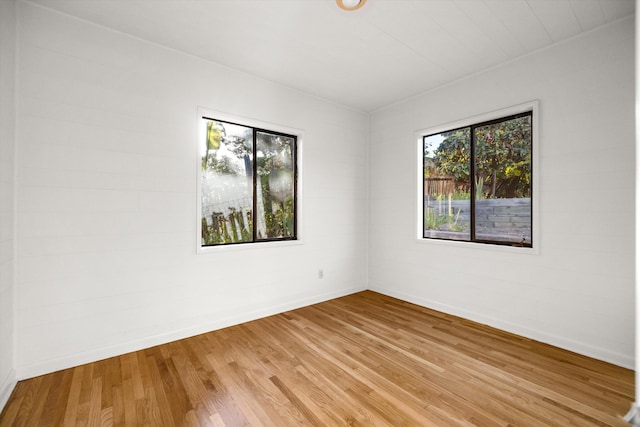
[362, 360]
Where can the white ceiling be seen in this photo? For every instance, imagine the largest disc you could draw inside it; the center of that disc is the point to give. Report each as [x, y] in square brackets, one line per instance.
[380, 54]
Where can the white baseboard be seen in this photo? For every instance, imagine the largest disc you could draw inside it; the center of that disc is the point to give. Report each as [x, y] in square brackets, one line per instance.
[605, 355]
[36, 369]
[33, 370]
[6, 388]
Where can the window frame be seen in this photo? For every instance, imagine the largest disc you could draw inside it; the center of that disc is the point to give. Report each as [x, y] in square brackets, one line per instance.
[531, 107]
[257, 126]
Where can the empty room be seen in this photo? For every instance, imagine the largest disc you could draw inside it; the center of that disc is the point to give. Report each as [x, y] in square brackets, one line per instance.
[317, 212]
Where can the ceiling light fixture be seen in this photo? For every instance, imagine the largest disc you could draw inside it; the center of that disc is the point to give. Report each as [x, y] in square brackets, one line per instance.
[350, 4]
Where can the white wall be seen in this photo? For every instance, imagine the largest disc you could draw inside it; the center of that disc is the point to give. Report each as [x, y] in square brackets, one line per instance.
[7, 205]
[578, 292]
[107, 197]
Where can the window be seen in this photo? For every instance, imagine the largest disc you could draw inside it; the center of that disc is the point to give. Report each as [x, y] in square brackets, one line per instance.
[248, 186]
[477, 181]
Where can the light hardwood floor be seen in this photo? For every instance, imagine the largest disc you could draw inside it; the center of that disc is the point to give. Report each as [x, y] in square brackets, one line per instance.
[365, 359]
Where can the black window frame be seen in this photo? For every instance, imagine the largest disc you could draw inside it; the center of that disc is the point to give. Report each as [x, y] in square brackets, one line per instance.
[294, 154]
[472, 182]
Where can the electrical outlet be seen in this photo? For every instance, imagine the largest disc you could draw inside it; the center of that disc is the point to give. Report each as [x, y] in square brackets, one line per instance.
[320, 274]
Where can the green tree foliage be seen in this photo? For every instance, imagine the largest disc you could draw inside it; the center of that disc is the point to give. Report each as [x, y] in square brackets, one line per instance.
[453, 156]
[239, 146]
[502, 156]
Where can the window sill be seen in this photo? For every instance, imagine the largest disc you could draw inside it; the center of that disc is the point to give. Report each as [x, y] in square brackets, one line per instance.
[246, 246]
[480, 246]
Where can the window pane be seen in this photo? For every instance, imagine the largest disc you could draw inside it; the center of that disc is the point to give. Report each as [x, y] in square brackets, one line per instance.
[227, 183]
[447, 207]
[275, 187]
[503, 181]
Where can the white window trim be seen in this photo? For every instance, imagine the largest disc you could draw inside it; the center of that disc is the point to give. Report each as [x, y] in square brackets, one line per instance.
[249, 122]
[532, 106]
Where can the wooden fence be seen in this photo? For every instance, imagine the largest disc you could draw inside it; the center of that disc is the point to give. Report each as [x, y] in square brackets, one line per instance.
[439, 185]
